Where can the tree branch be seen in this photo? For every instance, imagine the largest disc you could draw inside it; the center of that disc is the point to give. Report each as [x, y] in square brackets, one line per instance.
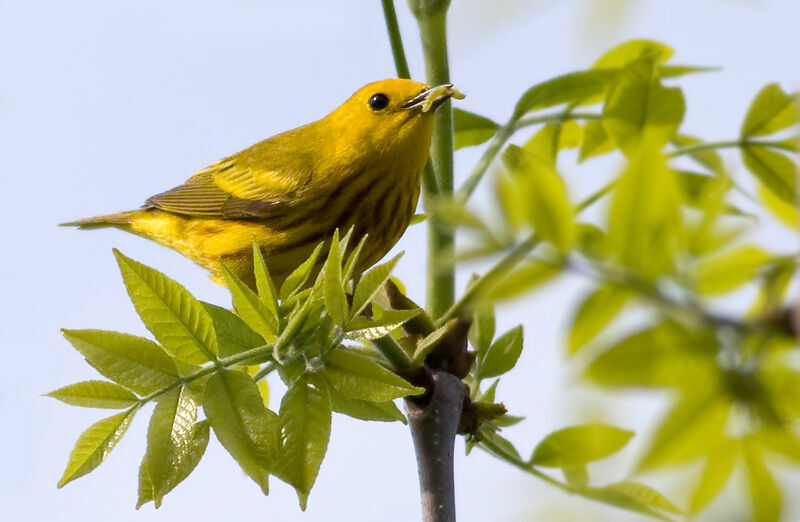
[434, 425]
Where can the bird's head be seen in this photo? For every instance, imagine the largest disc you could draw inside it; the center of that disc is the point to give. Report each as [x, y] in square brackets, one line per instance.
[387, 116]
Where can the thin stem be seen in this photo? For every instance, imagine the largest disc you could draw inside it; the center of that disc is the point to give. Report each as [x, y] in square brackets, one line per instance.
[502, 136]
[395, 39]
[432, 20]
[489, 446]
[686, 309]
[392, 351]
[589, 201]
[486, 159]
[509, 261]
[227, 362]
[266, 370]
[731, 144]
[556, 117]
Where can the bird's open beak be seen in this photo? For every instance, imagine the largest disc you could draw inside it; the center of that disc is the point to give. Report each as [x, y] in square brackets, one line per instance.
[430, 99]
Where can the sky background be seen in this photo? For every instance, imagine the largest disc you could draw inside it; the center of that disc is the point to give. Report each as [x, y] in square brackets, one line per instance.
[103, 104]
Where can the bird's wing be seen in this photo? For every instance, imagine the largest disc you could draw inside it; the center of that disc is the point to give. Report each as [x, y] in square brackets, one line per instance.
[242, 186]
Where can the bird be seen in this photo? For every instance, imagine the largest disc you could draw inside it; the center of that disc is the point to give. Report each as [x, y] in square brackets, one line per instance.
[358, 167]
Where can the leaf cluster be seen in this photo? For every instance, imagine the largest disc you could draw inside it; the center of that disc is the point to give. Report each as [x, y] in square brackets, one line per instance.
[208, 359]
[673, 238]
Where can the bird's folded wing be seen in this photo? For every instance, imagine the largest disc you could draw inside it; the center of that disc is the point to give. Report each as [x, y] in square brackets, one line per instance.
[230, 189]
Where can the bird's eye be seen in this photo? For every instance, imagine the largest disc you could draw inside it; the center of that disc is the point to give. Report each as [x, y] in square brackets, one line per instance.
[378, 102]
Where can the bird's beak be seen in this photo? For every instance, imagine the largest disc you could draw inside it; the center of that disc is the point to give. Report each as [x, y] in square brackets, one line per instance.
[430, 99]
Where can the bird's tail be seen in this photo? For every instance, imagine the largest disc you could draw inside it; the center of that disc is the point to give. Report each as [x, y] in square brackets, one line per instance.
[120, 219]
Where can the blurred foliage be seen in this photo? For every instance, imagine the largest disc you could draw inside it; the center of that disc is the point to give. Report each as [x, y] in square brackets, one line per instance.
[673, 242]
[211, 358]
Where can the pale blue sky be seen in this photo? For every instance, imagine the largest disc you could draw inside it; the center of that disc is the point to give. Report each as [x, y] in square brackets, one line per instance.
[103, 104]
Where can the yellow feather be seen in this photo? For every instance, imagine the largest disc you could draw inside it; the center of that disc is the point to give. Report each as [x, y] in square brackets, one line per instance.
[357, 167]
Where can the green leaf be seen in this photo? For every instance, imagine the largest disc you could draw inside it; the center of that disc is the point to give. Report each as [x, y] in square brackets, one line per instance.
[366, 410]
[716, 473]
[524, 278]
[570, 88]
[197, 447]
[698, 191]
[481, 331]
[359, 377]
[264, 284]
[489, 394]
[785, 213]
[94, 445]
[640, 109]
[244, 427]
[576, 476]
[352, 259]
[655, 357]
[95, 394]
[496, 444]
[635, 495]
[472, 129]
[502, 355]
[780, 441]
[709, 158]
[299, 276]
[551, 139]
[633, 50]
[296, 321]
[577, 445]
[697, 188]
[772, 110]
[134, 362]
[417, 219]
[509, 199]
[595, 141]
[690, 430]
[764, 491]
[548, 208]
[250, 307]
[305, 417]
[170, 312]
[674, 71]
[365, 328]
[233, 334]
[170, 441]
[371, 283]
[332, 288]
[595, 312]
[455, 212]
[772, 291]
[344, 243]
[730, 269]
[775, 170]
[644, 223]
[430, 342]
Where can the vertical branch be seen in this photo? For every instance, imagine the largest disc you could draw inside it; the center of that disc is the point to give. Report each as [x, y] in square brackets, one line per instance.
[395, 39]
[431, 16]
[434, 425]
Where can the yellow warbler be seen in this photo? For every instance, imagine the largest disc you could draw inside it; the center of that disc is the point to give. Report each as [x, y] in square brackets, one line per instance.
[357, 167]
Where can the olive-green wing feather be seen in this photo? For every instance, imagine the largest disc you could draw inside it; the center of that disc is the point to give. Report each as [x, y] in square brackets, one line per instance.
[261, 182]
